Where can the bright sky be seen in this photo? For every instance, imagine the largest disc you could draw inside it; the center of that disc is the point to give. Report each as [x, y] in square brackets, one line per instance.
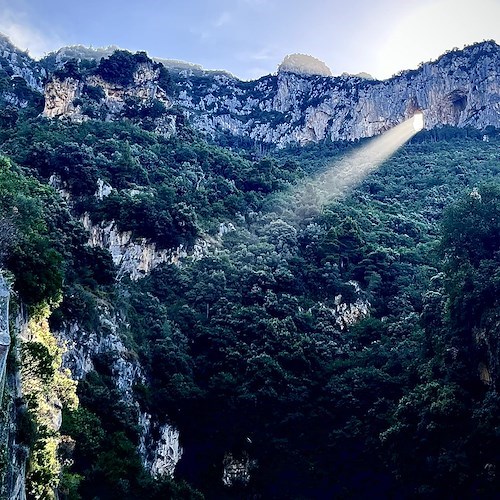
[249, 38]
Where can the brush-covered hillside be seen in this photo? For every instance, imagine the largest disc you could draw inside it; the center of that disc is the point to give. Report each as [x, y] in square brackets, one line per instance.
[176, 333]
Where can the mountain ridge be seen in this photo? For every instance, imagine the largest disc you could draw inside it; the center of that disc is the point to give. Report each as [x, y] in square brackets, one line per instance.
[460, 88]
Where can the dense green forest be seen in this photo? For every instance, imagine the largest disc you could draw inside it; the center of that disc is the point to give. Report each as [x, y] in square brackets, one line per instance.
[243, 349]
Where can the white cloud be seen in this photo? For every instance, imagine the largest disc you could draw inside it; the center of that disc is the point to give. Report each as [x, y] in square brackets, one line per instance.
[265, 54]
[223, 19]
[26, 37]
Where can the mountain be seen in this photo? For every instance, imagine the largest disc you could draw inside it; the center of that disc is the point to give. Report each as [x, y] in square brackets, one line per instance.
[55, 60]
[295, 106]
[18, 64]
[459, 89]
[302, 64]
[192, 318]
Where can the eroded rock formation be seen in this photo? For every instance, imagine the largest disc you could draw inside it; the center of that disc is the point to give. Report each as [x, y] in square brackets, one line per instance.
[461, 88]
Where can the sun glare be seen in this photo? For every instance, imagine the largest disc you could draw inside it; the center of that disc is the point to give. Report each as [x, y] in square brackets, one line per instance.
[418, 121]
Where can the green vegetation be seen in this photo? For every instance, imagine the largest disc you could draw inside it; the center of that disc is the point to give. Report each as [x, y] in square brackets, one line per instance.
[120, 66]
[246, 350]
[26, 207]
[164, 189]
[46, 388]
[252, 344]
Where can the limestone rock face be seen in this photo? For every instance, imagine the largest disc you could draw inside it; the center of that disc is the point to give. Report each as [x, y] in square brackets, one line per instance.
[136, 257]
[59, 97]
[21, 76]
[236, 470]
[345, 314]
[133, 258]
[63, 96]
[303, 64]
[159, 445]
[349, 313]
[303, 103]
[461, 88]
[19, 64]
[161, 458]
[83, 344]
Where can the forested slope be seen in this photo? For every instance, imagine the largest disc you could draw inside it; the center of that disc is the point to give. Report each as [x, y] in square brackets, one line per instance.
[349, 353]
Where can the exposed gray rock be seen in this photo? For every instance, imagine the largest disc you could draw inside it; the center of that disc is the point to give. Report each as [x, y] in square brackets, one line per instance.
[461, 88]
[80, 52]
[13, 477]
[82, 346]
[17, 486]
[345, 314]
[348, 314]
[103, 189]
[19, 64]
[159, 446]
[56, 182]
[303, 64]
[4, 332]
[136, 257]
[297, 105]
[236, 469]
[59, 99]
[166, 126]
[62, 96]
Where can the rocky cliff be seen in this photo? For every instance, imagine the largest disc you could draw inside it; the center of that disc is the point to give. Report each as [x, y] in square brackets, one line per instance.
[136, 257]
[159, 445]
[21, 78]
[17, 63]
[461, 88]
[65, 96]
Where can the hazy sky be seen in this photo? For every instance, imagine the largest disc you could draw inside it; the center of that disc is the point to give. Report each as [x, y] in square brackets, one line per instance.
[249, 38]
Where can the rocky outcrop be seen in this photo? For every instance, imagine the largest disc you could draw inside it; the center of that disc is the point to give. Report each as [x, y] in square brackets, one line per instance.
[350, 313]
[21, 78]
[59, 99]
[19, 64]
[462, 88]
[343, 314]
[12, 474]
[57, 59]
[103, 190]
[303, 104]
[4, 333]
[64, 97]
[303, 64]
[300, 104]
[161, 458]
[159, 445]
[82, 346]
[237, 469]
[136, 257]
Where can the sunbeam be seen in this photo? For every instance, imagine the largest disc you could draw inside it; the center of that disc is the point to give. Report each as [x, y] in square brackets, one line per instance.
[308, 198]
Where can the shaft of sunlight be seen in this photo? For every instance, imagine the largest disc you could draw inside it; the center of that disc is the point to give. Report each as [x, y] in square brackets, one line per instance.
[311, 195]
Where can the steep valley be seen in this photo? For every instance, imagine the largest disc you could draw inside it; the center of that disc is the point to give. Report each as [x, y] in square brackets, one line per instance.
[178, 330]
